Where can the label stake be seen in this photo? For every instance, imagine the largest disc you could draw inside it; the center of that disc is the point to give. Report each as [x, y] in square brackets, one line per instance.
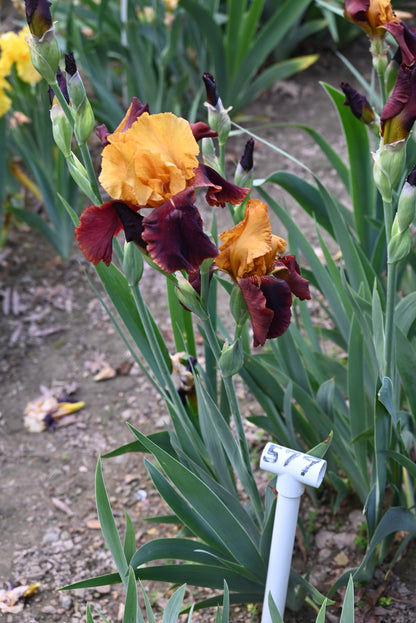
[295, 470]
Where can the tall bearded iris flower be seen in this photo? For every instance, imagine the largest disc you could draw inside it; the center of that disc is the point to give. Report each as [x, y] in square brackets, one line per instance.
[370, 15]
[151, 162]
[251, 254]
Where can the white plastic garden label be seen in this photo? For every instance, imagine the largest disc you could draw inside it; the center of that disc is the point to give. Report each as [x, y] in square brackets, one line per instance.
[295, 470]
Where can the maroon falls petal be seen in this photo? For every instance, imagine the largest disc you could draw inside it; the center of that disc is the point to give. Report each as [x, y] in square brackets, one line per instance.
[174, 235]
[97, 227]
[406, 38]
[298, 285]
[219, 190]
[268, 301]
[261, 316]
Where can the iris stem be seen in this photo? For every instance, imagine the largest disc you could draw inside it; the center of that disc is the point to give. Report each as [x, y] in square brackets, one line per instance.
[85, 154]
[251, 486]
[389, 337]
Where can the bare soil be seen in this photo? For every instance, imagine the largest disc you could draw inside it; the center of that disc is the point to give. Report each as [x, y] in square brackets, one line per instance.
[55, 337]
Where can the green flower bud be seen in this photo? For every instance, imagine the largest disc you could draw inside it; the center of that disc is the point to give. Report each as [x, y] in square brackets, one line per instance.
[80, 176]
[399, 247]
[389, 161]
[231, 358]
[189, 297]
[45, 54]
[407, 203]
[84, 123]
[61, 129]
[132, 263]
[84, 116]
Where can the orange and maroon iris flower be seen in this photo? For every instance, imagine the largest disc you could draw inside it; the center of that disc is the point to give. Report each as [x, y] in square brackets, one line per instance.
[370, 15]
[151, 161]
[406, 38]
[251, 254]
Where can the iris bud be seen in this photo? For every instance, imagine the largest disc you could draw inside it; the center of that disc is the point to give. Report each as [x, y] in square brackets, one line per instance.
[43, 44]
[407, 203]
[218, 117]
[132, 263]
[244, 172]
[399, 247]
[189, 297]
[231, 358]
[84, 116]
[389, 162]
[61, 129]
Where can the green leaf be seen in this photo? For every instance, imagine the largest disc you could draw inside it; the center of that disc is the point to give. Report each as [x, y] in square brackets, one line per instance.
[161, 438]
[394, 520]
[356, 393]
[404, 461]
[173, 607]
[108, 525]
[120, 294]
[347, 613]
[210, 510]
[405, 314]
[362, 185]
[130, 608]
[177, 548]
[89, 615]
[209, 576]
[274, 73]
[333, 156]
[406, 364]
[308, 196]
[275, 615]
[129, 538]
[321, 614]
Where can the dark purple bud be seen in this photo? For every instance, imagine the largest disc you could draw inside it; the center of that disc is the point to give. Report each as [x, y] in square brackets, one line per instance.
[412, 178]
[38, 17]
[246, 159]
[360, 107]
[62, 84]
[211, 89]
[70, 64]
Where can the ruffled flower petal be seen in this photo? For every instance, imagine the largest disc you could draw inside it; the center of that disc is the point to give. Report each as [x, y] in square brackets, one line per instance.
[219, 191]
[268, 302]
[97, 227]
[134, 111]
[174, 235]
[151, 161]
[250, 248]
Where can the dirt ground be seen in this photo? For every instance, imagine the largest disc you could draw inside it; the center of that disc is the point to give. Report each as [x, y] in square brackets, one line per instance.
[54, 338]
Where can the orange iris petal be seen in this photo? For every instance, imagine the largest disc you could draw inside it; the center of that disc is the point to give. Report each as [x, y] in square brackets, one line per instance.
[150, 162]
[249, 248]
